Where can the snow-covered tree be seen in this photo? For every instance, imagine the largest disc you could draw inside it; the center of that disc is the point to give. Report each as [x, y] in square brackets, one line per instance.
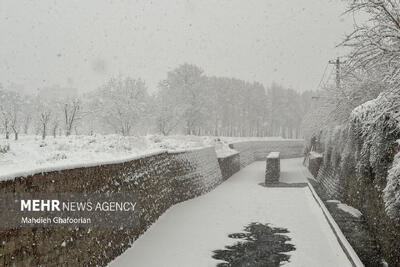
[44, 118]
[186, 85]
[11, 105]
[120, 103]
[375, 42]
[72, 113]
[168, 115]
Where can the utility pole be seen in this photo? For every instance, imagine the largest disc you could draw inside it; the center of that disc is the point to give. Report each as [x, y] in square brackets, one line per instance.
[337, 63]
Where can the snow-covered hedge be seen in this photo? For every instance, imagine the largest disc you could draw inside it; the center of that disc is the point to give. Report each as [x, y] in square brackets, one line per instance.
[392, 190]
[361, 166]
[378, 129]
[366, 147]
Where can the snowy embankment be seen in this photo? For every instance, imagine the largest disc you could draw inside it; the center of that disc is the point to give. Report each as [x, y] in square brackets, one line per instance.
[378, 121]
[30, 154]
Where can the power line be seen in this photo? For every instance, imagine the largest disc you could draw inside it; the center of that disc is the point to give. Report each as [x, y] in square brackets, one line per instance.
[328, 79]
[337, 64]
[325, 82]
[323, 75]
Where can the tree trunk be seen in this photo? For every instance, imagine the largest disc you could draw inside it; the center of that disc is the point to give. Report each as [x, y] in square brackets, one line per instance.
[55, 132]
[15, 134]
[44, 132]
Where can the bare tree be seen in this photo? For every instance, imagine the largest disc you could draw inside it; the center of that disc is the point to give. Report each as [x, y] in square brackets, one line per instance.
[5, 121]
[14, 123]
[44, 118]
[55, 125]
[376, 42]
[71, 115]
[375, 53]
[26, 123]
[10, 109]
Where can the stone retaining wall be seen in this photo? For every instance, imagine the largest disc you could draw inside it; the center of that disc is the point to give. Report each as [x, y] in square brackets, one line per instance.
[314, 163]
[229, 165]
[160, 181]
[368, 199]
[330, 181]
[251, 151]
[273, 168]
[354, 170]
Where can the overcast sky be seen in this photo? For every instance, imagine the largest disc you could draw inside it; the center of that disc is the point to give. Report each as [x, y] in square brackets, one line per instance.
[83, 43]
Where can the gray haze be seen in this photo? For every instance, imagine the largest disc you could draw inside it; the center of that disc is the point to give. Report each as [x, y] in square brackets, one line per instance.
[82, 43]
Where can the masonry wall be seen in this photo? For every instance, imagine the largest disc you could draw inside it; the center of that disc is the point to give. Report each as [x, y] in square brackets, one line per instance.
[160, 181]
[354, 170]
[314, 163]
[368, 199]
[251, 151]
[229, 165]
[331, 181]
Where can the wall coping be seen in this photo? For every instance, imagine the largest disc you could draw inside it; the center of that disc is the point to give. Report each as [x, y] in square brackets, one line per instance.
[266, 140]
[178, 151]
[70, 166]
[346, 247]
[24, 174]
[273, 155]
[315, 155]
[228, 155]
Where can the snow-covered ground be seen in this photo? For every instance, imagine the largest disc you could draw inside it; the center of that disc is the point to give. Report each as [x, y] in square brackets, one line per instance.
[31, 154]
[346, 208]
[189, 232]
[349, 209]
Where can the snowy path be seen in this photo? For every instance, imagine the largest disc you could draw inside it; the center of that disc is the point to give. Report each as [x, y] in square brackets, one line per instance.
[187, 233]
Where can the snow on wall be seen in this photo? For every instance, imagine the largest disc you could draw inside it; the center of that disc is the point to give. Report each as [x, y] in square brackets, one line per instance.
[229, 165]
[251, 151]
[29, 154]
[160, 180]
[198, 172]
[359, 168]
[331, 182]
[392, 191]
[246, 152]
[314, 163]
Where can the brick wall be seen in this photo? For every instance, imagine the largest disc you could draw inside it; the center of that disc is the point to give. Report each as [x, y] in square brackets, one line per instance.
[330, 181]
[368, 199]
[229, 165]
[273, 168]
[195, 172]
[314, 163]
[251, 151]
[159, 180]
[354, 170]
